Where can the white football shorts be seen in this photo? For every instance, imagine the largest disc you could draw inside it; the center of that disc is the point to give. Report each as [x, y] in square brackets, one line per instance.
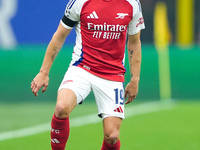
[109, 95]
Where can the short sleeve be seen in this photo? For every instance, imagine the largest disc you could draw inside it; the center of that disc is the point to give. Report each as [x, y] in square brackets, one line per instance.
[72, 13]
[137, 22]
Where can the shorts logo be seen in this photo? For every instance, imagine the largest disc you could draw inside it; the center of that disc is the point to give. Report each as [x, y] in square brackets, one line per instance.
[67, 81]
[119, 109]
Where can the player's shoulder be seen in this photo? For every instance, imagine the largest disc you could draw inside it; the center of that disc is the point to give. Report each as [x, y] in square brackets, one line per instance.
[72, 2]
[135, 3]
[75, 3]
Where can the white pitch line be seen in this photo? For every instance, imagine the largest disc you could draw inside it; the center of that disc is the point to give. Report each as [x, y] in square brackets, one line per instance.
[89, 119]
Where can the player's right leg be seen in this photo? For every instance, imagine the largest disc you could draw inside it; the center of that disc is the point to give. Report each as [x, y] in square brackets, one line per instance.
[66, 101]
[72, 91]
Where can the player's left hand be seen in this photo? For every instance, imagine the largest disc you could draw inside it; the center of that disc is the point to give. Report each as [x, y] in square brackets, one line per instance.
[131, 91]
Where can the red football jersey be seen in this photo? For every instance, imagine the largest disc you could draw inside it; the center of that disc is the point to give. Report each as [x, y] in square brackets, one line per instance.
[101, 27]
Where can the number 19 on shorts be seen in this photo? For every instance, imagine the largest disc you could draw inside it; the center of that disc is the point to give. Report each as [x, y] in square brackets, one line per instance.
[119, 96]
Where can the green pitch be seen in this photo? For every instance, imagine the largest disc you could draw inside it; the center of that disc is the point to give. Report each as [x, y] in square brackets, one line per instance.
[171, 129]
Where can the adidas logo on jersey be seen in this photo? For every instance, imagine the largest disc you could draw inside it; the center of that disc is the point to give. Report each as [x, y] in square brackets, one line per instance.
[119, 109]
[93, 15]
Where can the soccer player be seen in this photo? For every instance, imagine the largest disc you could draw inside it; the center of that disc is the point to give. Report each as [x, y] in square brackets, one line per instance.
[97, 64]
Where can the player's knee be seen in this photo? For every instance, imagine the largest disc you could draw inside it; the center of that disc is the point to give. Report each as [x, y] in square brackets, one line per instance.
[62, 111]
[112, 137]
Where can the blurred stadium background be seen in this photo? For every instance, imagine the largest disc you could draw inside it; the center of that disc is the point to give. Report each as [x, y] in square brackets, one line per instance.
[170, 71]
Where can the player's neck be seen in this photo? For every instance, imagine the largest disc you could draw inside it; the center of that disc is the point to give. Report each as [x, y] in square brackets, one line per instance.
[107, 0]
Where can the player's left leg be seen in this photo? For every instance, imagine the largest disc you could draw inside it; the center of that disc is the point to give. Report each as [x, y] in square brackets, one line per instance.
[111, 126]
[109, 96]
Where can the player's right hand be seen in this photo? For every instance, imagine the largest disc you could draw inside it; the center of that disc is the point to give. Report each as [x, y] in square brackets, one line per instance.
[41, 80]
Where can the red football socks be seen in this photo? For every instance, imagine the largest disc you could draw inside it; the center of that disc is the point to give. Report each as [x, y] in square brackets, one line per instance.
[59, 132]
[107, 146]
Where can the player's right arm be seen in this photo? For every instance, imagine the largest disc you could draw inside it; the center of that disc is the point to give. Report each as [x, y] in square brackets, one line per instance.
[56, 43]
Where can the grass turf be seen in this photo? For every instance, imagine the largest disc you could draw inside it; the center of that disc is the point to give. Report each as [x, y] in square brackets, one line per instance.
[173, 129]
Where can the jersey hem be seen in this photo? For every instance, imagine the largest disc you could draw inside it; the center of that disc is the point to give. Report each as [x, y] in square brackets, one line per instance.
[111, 77]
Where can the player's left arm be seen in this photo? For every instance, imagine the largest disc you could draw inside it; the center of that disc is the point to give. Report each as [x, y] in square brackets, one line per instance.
[134, 53]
